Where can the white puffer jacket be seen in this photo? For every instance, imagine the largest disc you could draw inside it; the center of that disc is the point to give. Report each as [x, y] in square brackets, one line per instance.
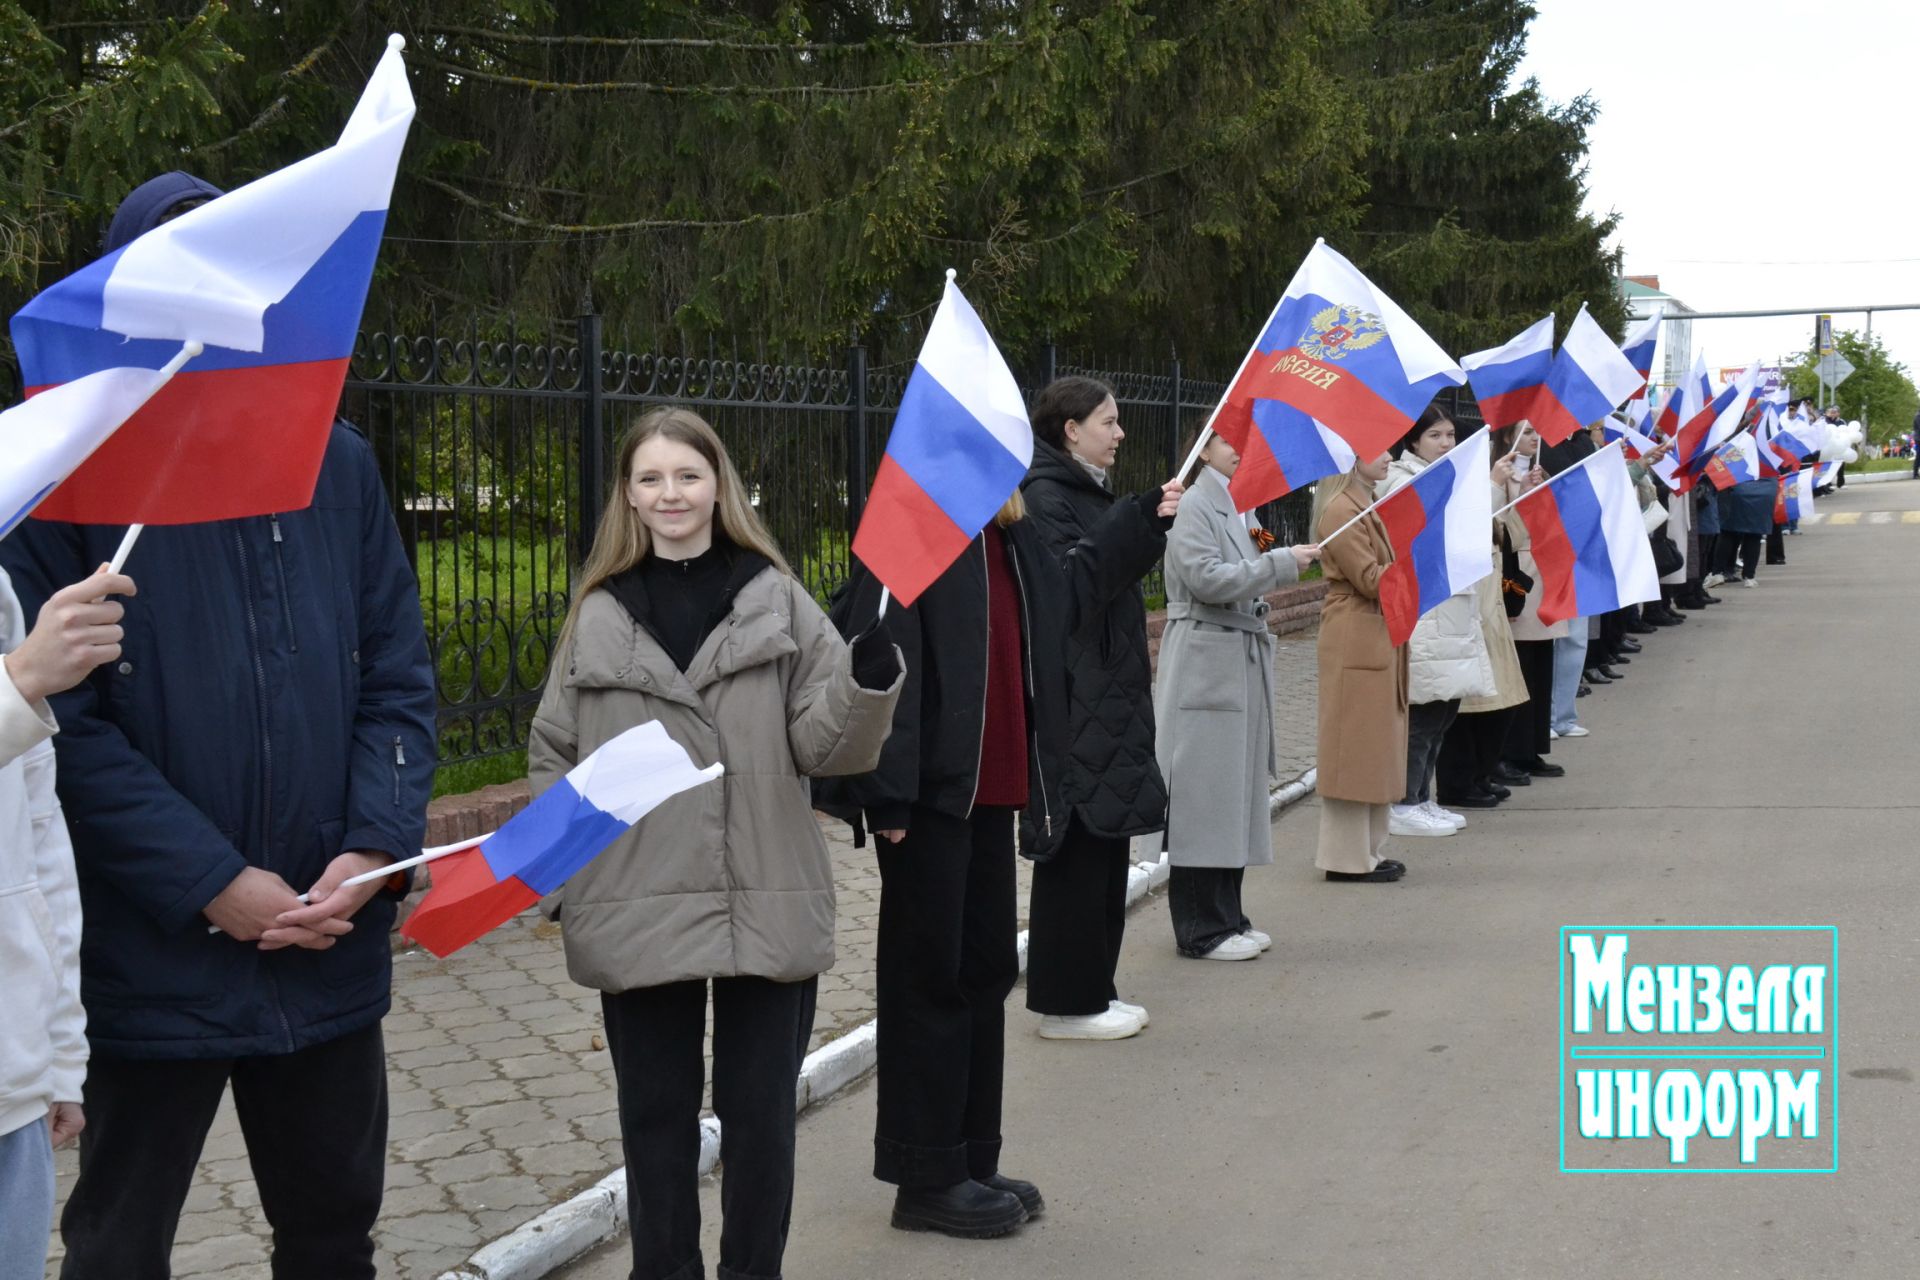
[43, 1043]
[1447, 653]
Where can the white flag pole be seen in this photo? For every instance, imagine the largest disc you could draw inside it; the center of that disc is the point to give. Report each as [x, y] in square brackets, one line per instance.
[1615, 444]
[424, 856]
[381, 873]
[1206, 432]
[188, 350]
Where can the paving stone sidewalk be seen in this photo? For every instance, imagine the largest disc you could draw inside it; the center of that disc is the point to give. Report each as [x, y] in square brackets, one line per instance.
[501, 1088]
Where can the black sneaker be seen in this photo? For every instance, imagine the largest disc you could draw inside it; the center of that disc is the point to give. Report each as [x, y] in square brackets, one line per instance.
[967, 1210]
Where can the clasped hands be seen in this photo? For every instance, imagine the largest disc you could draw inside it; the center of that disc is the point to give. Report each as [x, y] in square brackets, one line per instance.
[258, 906]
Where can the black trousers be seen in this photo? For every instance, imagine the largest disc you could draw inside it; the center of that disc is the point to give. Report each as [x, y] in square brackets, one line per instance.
[1777, 544]
[1076, 918]
[1739, 549]
[655, 1036]
[946, 963]
[315, 1124]
[1205, 905]
[1709, 554]
[1427, 724]
[1529, 731]
[1613, 629]
[1475, 743]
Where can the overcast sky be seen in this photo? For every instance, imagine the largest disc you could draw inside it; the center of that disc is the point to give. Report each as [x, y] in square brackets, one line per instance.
[1707, 107]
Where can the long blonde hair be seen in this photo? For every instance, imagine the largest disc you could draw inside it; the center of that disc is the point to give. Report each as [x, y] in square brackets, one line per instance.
[622, 540]
[1331, 487]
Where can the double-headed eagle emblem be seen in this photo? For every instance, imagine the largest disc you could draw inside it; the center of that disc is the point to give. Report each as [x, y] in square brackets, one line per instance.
[1339, 329]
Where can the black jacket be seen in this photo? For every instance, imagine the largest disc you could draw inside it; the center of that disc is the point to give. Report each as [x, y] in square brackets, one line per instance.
[1111, 780]
[932, 756]
[273, 706]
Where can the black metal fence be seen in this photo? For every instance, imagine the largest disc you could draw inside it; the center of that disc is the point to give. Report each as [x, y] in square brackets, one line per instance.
[497, 454]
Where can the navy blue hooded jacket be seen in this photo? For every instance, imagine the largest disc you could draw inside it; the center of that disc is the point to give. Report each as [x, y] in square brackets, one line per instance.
[273, 706]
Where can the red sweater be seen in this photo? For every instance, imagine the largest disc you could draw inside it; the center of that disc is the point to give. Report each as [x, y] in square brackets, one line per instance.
[1003, 741]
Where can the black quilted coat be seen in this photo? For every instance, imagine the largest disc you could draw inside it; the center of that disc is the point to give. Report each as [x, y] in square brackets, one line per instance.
[1112, 782]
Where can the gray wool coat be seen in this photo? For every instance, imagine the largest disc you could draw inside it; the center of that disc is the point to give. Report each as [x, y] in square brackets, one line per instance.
[1213, 695]
[730, 879]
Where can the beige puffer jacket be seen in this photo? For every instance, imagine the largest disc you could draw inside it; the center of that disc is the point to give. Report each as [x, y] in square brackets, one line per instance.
[732, 878]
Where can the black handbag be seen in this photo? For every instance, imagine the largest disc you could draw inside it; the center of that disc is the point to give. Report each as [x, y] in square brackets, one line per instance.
[1666, 556]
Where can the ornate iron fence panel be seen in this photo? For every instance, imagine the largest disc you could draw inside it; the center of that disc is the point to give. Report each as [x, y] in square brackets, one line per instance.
[500, 453]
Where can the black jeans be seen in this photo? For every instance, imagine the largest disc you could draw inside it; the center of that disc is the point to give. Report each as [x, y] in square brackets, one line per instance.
[760, 1033]
[946, 963]
[1426, 725]
[1739, 549]
[1205, 905]
[1529, 731]
[315, 1124]
[1075, 921]
[1473, 746]
[1777, 544]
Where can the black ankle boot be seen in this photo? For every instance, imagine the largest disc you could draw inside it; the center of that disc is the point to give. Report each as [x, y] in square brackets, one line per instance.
[967, 1210]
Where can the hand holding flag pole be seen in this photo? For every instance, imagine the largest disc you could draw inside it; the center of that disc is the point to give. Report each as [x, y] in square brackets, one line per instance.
[1550, 480]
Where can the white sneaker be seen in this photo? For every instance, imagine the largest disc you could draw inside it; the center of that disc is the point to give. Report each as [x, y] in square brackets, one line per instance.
[1577, 731]
[1111, 1025]
[1433, 810]
[1238, 947]
[1411, 820]
[1123, 1007]
[1266, 943]
[1553, 734]
[1711, 581]
[1749, 582]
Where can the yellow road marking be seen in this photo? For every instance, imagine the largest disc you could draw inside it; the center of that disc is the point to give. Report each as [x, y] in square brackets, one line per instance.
[1844, 517]
[1910, 517]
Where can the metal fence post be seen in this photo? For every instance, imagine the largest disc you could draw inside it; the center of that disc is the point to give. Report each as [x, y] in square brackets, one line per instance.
[1049, 363]
[593, 438]
[856, 436]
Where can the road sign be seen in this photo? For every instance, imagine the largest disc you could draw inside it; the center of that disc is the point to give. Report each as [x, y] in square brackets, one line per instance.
[1823, 335]
[1834, 369]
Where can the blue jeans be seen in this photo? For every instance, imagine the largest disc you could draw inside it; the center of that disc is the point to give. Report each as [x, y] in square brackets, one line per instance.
[26, 1201]
[1569, 660]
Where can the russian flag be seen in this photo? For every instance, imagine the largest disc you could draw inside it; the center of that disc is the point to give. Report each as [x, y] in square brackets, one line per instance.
[1798, 489]
[1508, 379]
[1589, 377]
[271, 278]
[1638, 349]
[1735, 462]
[1344, 354]
[1724, 414]
[1440, 524]
[1297, 452]
[1589, 541]
[1634, 444]
[545, 844]
[959, 447]
[43, 440]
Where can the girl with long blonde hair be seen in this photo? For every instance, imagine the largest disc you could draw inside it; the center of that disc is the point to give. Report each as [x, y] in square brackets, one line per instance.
[688, 615]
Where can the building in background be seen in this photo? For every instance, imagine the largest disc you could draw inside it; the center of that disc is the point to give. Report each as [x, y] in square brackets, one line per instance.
[1644, 297]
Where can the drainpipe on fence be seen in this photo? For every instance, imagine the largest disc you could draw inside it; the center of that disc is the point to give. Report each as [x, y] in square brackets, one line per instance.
[593, 437]
[856, 438]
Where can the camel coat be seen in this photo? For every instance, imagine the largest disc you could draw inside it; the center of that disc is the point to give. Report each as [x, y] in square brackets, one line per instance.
[1363, 677]
[1509, 685]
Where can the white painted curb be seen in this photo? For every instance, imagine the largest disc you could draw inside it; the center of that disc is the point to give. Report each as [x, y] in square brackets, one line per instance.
[538, 1248]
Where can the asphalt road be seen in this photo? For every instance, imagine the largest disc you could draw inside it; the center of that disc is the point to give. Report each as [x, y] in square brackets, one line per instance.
[1378, 1096]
